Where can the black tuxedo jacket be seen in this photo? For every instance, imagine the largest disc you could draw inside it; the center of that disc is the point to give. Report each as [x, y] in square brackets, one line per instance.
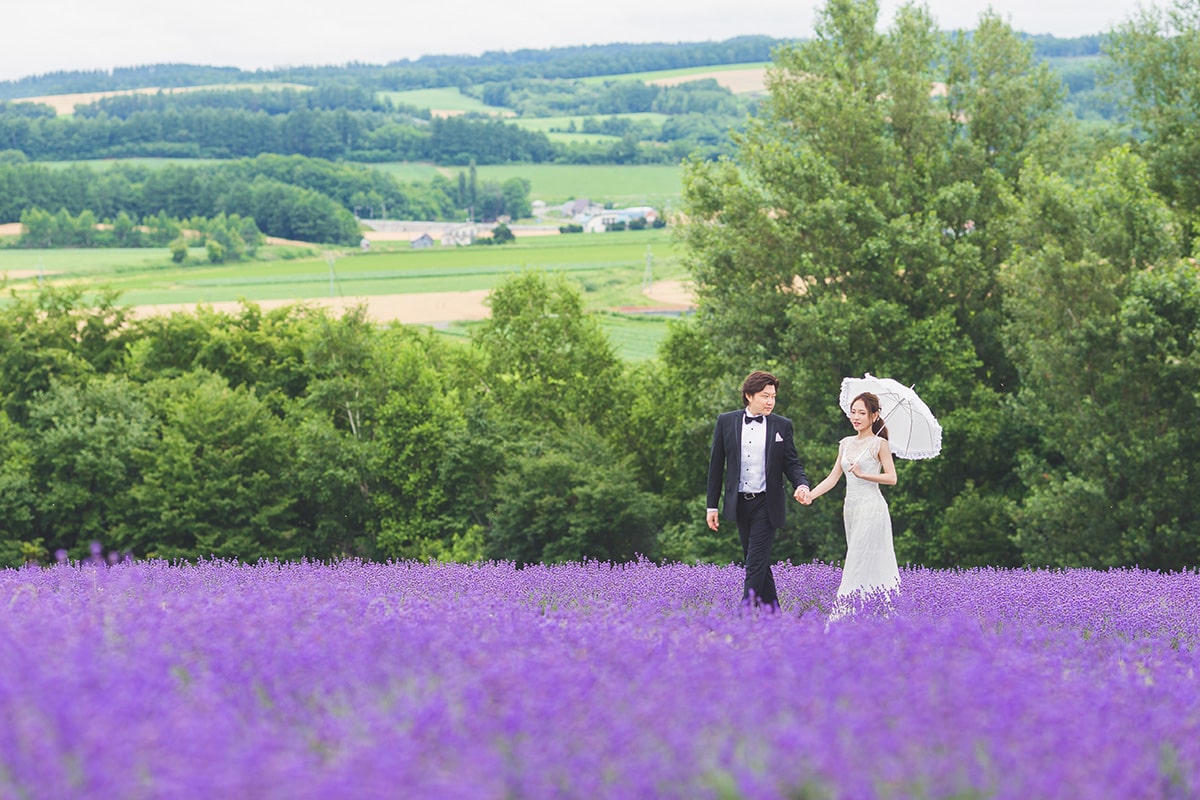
[781, 461]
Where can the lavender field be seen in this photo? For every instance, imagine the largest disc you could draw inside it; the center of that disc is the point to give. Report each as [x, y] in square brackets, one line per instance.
[220, 680]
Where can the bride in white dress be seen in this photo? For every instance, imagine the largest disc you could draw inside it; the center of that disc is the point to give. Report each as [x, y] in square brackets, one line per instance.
[866, 460]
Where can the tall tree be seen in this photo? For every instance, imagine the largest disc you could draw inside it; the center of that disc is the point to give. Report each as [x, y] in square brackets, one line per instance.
[219, 482]
[544, 355]
[863, 227]
[1153, 59]
[1103, 322]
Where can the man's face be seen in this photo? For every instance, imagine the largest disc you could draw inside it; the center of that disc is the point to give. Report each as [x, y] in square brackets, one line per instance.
[761, 403]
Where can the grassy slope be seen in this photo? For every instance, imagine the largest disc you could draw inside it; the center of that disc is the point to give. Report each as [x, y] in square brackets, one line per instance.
[609, 268]
[650, 184]
[666, 74]
[446, 99]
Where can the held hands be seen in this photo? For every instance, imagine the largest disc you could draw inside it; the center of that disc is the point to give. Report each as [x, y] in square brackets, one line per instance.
[802, 495]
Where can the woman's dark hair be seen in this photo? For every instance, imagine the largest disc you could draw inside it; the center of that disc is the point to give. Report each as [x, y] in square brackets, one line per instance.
[755, 382]
[872, 404]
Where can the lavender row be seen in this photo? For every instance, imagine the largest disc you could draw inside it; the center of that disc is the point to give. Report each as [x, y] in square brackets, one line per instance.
[150, 680]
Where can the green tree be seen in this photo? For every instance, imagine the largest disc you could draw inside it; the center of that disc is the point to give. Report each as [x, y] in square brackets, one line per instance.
[1153, 59]
[125, 231]
[249, 347]
[864, 227]
[544, 355]
[1102, 326]
[345, 426]
[87, 440]
[1111, 382]
[570, 498]
[179, 250]
[436, 460]
[516, 197]
[219, 481]
[18, 498]
[37, 228]
[502, 234]
[55, 335]
[216, 251]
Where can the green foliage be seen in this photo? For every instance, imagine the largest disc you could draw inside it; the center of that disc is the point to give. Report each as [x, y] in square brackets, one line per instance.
[544, 355]
[87, 441]
[1113, 373]
[289, 197]
[179, 250]
[1026, 274]
[436, 457]
[502, 234]
[219, 482]
[18, 495]
[570, 498]
[1152, 59]
[216, 251]
[53, 335]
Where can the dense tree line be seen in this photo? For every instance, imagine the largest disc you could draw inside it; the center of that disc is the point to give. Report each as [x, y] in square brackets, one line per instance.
[425, 72]
[228, 238]
[549, 98]
[457, 70]
[288, 196]
[202, 132]
[294, 433]
[326, 97]
[360, 136]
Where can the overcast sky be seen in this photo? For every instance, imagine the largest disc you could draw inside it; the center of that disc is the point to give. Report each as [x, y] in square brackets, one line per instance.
[52, 35]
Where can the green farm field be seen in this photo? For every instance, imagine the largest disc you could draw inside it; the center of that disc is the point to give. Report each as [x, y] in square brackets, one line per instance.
[609, 268]
[648, 184]
[444, 99]
[83, 262]
[556, 128]
[620, 184]
[683, 74]
[413, 171]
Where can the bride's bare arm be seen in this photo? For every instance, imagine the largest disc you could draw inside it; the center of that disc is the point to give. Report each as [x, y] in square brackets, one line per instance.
[830, 481]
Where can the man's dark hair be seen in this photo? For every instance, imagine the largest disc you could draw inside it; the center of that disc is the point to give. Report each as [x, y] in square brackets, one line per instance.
[755, 382]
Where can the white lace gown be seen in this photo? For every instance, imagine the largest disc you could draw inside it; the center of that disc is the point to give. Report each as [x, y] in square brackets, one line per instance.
[870, 557]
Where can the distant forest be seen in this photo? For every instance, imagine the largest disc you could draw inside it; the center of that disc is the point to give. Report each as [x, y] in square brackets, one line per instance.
[425, 72]
[450, 70]
[357, 114]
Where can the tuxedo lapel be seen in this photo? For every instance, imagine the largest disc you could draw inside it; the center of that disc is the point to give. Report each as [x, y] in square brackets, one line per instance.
[735, 438]
[770, 445]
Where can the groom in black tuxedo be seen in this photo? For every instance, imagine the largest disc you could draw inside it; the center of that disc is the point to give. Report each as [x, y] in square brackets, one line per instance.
[754, 451]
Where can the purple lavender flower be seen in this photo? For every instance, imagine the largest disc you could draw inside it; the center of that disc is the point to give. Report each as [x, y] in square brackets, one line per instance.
[152, 680]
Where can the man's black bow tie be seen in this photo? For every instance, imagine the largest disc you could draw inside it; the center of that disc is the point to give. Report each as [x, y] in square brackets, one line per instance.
[750, 419]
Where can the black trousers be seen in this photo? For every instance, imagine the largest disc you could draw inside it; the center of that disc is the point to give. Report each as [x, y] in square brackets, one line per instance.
[758, 537]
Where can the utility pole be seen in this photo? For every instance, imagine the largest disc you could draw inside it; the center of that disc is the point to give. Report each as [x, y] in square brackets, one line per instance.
[330, 259]
[648, 278]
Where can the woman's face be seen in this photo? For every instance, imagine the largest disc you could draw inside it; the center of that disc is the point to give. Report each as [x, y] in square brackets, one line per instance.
[860, 418]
